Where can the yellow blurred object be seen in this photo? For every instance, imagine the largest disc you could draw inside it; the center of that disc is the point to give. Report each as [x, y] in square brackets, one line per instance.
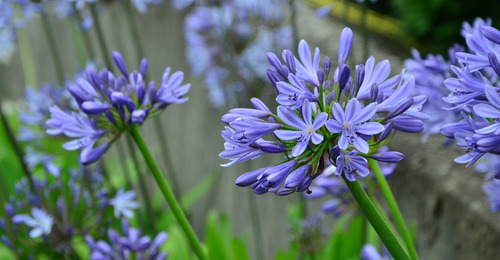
[375, 22]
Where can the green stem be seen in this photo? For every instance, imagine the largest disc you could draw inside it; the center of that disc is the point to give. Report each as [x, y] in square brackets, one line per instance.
[17, 148]
[142, 186]
[128, 178]
[386, 218]
[26, 55]
[53, 48]
[160, 134]
[393, 207]
[100, 37]
[167, 193]
[388, 238]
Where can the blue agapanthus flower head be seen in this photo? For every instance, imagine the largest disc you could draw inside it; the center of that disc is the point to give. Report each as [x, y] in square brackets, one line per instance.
[108, 104]
[324, 113]
[474, 93]
[430, 73]
[131, 243]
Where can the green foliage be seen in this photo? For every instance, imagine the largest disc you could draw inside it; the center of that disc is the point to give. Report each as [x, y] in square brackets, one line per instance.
[436, 24]
[221, 244]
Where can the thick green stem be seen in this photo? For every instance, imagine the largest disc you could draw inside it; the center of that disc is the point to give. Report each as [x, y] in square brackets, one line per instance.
[53, 48]
[167, 193]
[142, 187]
[160, 134]
[100, 37]
[388, 238]
[393, 207]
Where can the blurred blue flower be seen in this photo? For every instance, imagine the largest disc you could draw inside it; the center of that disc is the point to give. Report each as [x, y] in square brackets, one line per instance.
[123, 247]
[40, 222]
[124, 203]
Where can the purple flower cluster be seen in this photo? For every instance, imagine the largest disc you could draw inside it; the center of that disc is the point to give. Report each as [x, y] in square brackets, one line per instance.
[342, 119]
[124, 247]
[108, 104]
[224, 41]
[52, 214]
[474, 93]
[430, 74]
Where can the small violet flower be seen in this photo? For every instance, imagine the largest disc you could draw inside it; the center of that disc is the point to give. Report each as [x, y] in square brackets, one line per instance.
[40, 222]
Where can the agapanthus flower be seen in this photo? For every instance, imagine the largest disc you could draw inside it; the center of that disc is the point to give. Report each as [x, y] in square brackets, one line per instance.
[131, 243]
[39, 221]
[54, 210]
[124, 203]
[342, 120]
[474, 93]
[430, 74]
[492, 191]
[223, 42]
[109, 104]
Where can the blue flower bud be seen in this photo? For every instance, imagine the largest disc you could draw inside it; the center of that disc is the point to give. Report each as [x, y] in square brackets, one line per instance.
[328, 86]
[295, 178]
[290, 61]
[387, 131]
[330, 97]
[345, 43]
[94, 108]
[360, 74]
[120, 63]
[400, 108]
[144, 67]
[491, 33]
[335, 152]
[389, 157]
[494, 63]
[119, 99]
[321, 76]
[273, 76]
[344, 75]
[327, 65]
[270, 147]
[141, 92]
[374, 92]
[249, 177]
[304, 185]
[138, 116]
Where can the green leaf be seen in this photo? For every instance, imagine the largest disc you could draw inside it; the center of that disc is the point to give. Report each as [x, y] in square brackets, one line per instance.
[189, 198]
[352, 239]
[177, 245]
[239, 249]
[214, 238]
